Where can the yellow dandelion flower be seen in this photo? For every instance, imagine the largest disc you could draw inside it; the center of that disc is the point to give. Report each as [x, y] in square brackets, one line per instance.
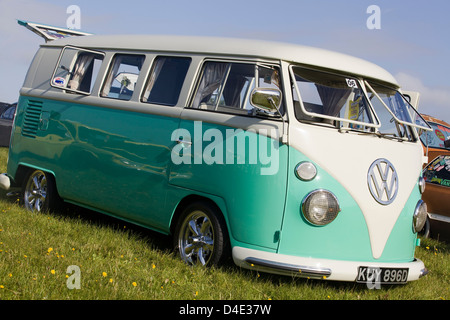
[134, 284]
[52, 271]
[2, 286]
[50, 250]
[104, 274]
[10, 275]
[153, 266]
[111, 280]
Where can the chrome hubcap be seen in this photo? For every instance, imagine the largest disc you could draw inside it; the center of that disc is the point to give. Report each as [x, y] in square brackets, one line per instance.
[196, 238]
[35, 192]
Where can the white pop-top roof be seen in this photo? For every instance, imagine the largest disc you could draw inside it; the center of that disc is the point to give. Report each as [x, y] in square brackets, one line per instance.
[236, 47]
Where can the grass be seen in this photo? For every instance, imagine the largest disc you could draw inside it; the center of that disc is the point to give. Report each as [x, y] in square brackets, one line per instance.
[119, 261]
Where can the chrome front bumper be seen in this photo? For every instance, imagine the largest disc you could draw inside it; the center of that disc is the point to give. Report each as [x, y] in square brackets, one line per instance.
[315, 268]
[5, 182]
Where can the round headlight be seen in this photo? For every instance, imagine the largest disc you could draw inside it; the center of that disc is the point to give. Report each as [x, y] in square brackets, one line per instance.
[320, 207]
[421, 184]
[305, 171]
[420, 216]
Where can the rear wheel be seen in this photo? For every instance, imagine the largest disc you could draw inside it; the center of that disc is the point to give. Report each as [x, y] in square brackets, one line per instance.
[39, 192]
[201, 235]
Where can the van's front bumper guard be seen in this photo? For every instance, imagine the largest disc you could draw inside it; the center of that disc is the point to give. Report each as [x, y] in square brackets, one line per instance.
[5, 182]
[317, 268]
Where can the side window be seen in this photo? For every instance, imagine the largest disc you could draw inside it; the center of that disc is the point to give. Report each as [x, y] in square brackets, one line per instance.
[77, 70]
[165, 80]
[226, 86]
[122, 76]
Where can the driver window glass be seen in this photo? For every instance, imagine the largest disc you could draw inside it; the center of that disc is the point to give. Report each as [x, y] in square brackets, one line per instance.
[226, 87]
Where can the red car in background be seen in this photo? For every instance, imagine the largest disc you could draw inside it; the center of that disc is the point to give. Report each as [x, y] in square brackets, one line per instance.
[436, 173]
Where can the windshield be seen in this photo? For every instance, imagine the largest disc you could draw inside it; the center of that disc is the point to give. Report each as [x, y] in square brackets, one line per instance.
[331, 99]
[340, 101]
[398, 113]
[437, 137]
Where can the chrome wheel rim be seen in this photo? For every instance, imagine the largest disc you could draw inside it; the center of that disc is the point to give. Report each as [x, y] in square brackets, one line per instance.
[35, 192]
[196, 238]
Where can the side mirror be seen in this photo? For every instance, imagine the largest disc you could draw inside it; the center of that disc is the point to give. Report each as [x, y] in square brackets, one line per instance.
[267, 99]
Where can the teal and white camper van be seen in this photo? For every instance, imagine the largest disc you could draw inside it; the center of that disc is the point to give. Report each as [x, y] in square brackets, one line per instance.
[289, 159]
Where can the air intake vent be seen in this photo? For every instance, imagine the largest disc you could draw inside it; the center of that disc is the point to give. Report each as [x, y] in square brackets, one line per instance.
[32, 118]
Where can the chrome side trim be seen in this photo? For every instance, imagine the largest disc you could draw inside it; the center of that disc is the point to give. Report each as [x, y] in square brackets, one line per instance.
[438, 217]
[288, 269]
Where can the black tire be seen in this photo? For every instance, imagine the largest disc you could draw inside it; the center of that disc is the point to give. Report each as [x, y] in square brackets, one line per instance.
[201, 235]
[39, 192]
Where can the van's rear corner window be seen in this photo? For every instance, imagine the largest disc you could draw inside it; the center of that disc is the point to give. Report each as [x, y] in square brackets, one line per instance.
[122, 76]
[166, 80]
[77, 70]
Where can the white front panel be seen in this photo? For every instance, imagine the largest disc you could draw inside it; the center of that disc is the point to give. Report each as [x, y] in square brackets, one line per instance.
[348, 156]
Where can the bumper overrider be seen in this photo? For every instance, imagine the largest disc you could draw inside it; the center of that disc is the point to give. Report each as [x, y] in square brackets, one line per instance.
[5, 182]
[313, 268]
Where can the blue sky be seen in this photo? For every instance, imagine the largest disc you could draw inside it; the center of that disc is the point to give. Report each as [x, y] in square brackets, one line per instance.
[413, 42]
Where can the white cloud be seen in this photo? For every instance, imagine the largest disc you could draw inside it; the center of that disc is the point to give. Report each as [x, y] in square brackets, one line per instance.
[434, 101]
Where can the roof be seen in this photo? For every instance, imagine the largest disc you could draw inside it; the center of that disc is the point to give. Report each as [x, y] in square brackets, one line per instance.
[435, 120]
[237, 47]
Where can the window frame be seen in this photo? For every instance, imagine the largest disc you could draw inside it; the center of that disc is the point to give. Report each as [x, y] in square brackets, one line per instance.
[240, 111]
[70, 69]
[149, 74]
[109, 70]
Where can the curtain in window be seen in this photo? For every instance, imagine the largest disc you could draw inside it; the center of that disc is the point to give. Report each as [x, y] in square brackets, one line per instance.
[213, 76]
[111, 76]
[81, 67]
[154, 75]
[333, 99]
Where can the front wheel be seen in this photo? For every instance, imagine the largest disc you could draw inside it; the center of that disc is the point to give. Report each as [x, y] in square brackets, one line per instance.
[201, 235]
[39, 192]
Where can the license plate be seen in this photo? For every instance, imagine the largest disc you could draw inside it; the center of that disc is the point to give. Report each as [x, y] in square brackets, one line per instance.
[382, 275]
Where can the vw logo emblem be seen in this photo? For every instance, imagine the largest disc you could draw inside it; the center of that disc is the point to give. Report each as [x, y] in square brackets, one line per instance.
[383, 181]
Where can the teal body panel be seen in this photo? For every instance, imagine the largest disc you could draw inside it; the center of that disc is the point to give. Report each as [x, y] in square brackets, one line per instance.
[402, 241]
[112, 160]
[122, 163]
[254, 198]
[347, 237]
[119, 162]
